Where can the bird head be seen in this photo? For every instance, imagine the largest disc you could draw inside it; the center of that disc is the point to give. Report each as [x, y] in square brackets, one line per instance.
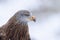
[25, 16]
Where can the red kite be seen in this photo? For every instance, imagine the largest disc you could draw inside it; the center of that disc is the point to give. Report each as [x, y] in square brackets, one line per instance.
[17, 26]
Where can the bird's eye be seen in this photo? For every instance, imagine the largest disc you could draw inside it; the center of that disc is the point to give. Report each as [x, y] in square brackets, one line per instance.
[26, 14]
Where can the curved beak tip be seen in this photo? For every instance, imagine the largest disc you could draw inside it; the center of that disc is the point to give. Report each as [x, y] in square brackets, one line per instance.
[34, 18]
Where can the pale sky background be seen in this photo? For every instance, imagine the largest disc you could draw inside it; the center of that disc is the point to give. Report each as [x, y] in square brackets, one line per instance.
[47, 12]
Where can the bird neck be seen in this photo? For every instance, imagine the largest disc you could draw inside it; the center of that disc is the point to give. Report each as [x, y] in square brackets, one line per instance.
[21, 22]
[14, 20]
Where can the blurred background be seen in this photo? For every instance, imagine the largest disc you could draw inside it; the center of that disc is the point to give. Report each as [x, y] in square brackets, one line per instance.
[47, 12]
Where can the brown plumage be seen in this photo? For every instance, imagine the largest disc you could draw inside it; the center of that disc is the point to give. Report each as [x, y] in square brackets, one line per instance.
[17, 28]
[2, 34]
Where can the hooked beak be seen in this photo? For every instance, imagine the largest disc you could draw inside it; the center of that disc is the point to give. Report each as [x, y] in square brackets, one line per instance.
[33, 18]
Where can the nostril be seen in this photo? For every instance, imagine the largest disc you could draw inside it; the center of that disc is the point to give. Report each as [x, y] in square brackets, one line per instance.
[33, 17]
